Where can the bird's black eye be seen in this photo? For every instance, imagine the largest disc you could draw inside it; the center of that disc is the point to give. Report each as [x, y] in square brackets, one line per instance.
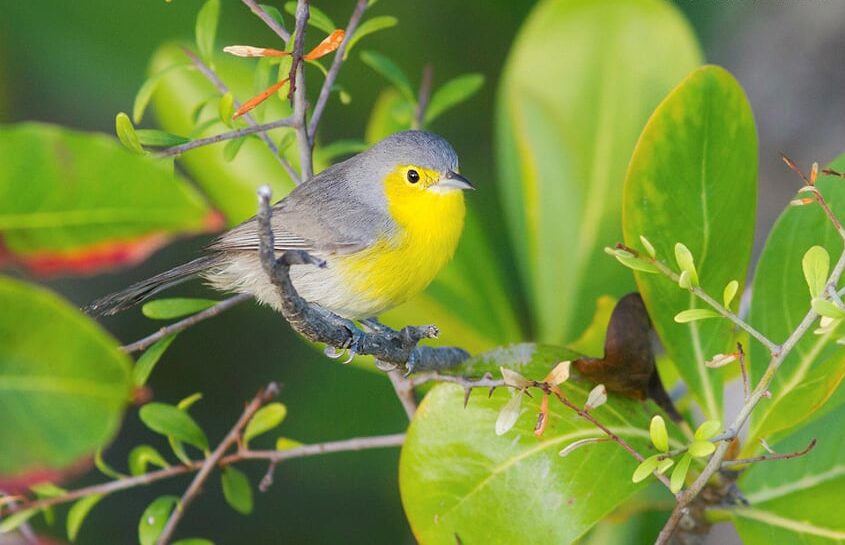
[413, 176]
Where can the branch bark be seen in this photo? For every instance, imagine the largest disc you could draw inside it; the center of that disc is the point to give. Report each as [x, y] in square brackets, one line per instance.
[274, 25]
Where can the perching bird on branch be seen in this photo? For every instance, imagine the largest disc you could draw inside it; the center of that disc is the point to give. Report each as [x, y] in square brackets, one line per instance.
[385, 222]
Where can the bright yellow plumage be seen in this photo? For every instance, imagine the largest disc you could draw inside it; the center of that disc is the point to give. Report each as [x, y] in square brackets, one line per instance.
[429, 225]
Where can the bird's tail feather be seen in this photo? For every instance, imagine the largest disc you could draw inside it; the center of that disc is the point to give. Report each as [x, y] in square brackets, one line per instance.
[141, 291]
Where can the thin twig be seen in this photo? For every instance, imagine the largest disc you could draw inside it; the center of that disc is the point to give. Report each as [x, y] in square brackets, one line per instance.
[297, 90]
[743, 369]
[404, 389]
[223, 89]
[199, 142]
[424, 96]
[274, 25]
[354, 444]
[769, 457]
[208, 465]
[331, 76]
[210, 312]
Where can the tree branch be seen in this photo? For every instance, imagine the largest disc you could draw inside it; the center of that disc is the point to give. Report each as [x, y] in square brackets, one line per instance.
[223, 89]
[404, 389]
[211, 461]
[186, 323]
[322, 326]
[199, 142]
[297, 92]
[424, 96]
[274, 25]
[331, 76]
[769, 457]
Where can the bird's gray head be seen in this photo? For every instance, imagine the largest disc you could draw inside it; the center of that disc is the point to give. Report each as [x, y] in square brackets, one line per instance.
[417, 153]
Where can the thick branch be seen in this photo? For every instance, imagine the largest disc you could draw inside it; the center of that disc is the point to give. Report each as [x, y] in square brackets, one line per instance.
[210, 312]
[331, 76]
[322, 326]
[297, 89]
[274, 25]
[211, 461]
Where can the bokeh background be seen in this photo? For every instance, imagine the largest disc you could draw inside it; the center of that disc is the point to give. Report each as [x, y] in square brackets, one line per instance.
[78, 63]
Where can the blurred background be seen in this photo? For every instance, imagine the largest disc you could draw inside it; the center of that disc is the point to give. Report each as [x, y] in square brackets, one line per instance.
[78, 63]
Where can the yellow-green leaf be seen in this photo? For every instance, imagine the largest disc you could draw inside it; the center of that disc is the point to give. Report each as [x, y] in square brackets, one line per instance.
[816, 265]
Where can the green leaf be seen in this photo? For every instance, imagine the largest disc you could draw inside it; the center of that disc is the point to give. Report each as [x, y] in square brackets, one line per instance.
[206, 29]
[632, 262]
[47, 490]
[189, 401]
[264, 420]
[827, 308]
[679, 474]
[814, 369]
[176, 307]
[77, 513]
[368, 27]
[694, 314]
[105, 468]
[391, 72]
[700, 449]
[65, 384]
[237, 490]
[575, 93]
[456, 470]
[171, 421]
[797, 500]
[17, 518]
[391, 113]
[686, 263]
[645, 468]
[708, 430]
[658, 433]
[145, 92]
[74, 216]
[232, 148]
[148, 360]
[816, 265]
[452, 93]
[142, 456]
[126, 133]
[693, 177]
[317, 18]
[154, 518]
[729, 293]
[159, 139]
[226, 108]
[274, 13]
[285, 443]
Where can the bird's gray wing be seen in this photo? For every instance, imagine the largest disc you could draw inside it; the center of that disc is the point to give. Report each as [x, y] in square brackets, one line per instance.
[323, 216]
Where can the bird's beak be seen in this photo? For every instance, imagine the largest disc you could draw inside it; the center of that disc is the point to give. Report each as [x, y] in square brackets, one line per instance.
[453, 180]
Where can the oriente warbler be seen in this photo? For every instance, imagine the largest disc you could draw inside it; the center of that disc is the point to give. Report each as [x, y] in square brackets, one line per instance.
[385, 221]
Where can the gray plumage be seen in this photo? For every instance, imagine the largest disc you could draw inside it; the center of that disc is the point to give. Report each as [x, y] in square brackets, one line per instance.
[340, 211]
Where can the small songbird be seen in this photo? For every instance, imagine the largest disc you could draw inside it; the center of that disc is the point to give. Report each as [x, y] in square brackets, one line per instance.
[385, 221]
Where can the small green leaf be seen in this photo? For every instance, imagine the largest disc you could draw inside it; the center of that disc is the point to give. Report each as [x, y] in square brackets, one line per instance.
[16, 519]
[816, 265]
[226, 108]
[154, 518]
[166, 309]
[148, 360]
[317, 18]
[659, 435]
[649, 247]
[509, 414]
[231, 149]
[686, 262]
[452, 93]
[645, 468]
[827, 308]
[159, 139]
[391, 72]
[369, 27]
[286, 443]
[274, 12]
[628, 259]
[345, 97]
[142, 456]
[699, 448]
[126, 133]
[679, 474]
[206, 29]
[77, 513]
[694, 314]
[684, 280]
[104, 468]
[665, 464]
[237, 490]
[178, 450]
[729, 293]
[171, 421]
[708, 430]
[47, 490]
[187, 402]
[145, 92]
[264, 420]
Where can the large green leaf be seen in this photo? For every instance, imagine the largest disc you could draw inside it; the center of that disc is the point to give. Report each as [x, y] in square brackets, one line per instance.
[693, 179]
[816, 366]
[797, 500]
[63, 386]
[76, 201]
[579, 85]
[460, 482]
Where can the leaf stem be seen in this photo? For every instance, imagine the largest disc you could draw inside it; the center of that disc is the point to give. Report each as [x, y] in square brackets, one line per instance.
[769, 457]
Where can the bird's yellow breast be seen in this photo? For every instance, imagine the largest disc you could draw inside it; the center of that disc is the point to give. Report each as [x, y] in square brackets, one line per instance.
[401, 265]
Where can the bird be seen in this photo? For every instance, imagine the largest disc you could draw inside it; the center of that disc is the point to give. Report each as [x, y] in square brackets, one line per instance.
[385, 222]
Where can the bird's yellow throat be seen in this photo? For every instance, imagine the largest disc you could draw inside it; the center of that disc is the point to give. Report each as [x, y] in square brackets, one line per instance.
[429, 225]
